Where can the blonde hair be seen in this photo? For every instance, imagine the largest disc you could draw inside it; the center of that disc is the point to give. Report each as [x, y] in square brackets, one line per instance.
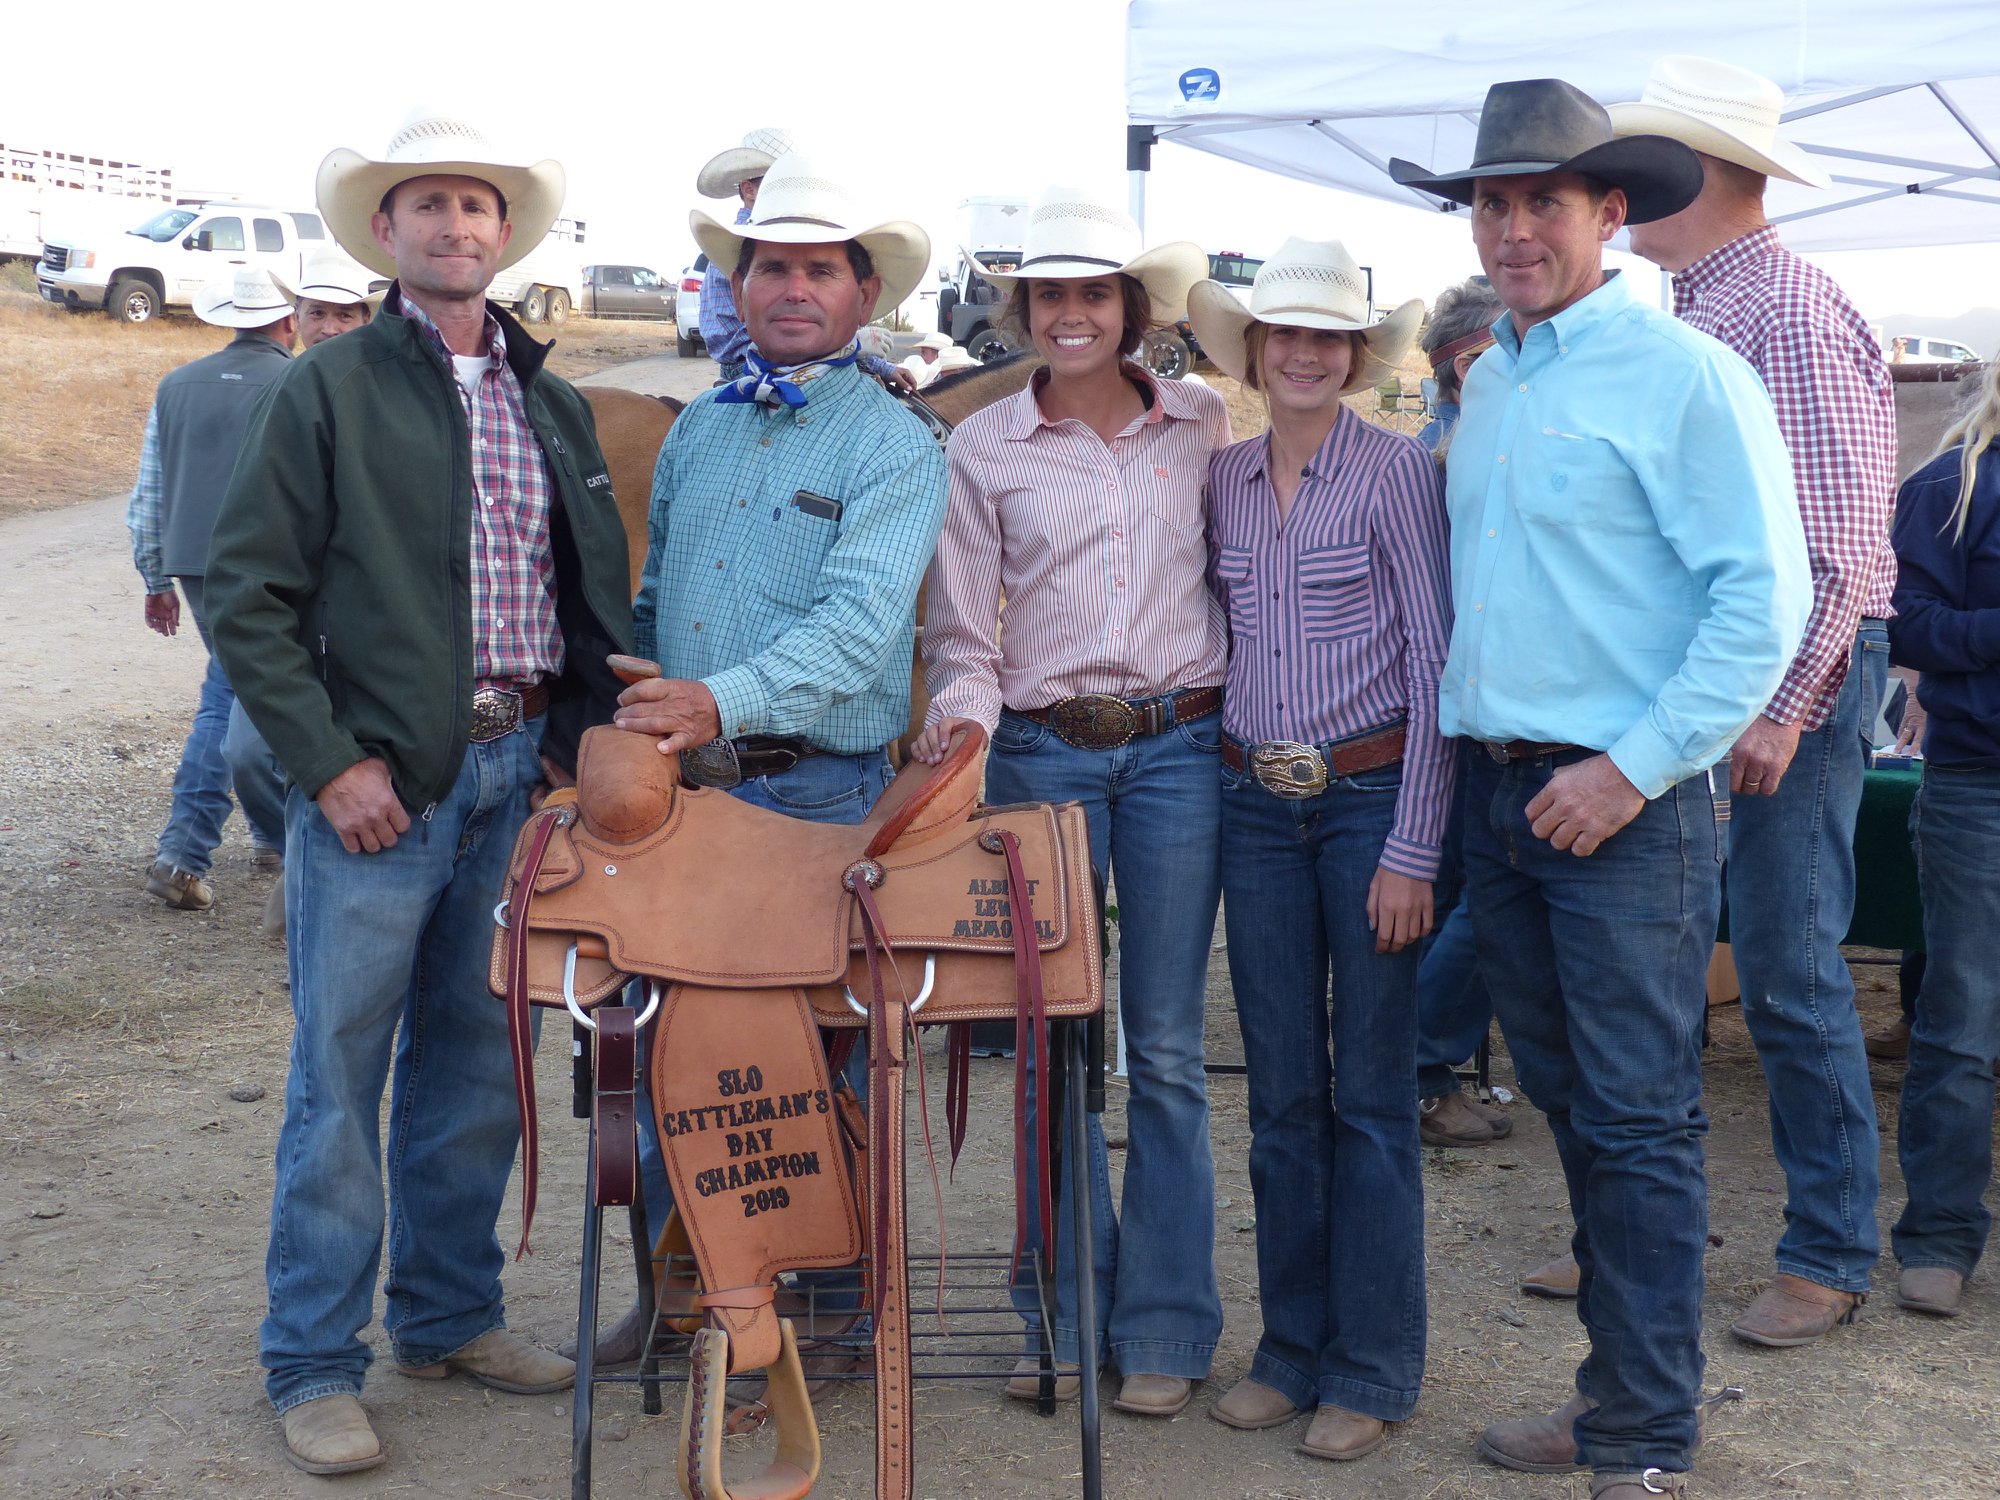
[1975, 430]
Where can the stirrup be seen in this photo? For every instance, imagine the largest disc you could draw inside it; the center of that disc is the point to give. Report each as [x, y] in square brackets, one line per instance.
[698, 1464]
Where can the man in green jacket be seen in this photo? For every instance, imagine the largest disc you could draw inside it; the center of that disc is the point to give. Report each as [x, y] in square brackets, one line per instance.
[416, 578]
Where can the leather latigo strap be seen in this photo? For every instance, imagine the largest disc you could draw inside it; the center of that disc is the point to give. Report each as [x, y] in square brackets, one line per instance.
[614, 1115]
[888, 1061]
[520, 1035]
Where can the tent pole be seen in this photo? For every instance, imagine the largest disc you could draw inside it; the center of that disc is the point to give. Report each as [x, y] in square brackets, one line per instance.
[1138, 162]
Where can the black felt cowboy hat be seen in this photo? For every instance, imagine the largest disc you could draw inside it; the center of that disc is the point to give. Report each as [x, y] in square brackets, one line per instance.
[1545, 125]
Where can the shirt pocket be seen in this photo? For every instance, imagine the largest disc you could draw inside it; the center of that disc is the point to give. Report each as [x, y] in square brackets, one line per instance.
[795, 547]
[1232, 573]
[1578, 481]
[1336, 592]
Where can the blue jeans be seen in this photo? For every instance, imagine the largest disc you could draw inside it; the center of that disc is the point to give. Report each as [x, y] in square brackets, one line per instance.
[257, 779]
[388, 959]
[1598, 968]
[819, 789]
[1790, 880]
[1945, 1139]
[1334, 1159]
[1454, 1012]
[201, 781]
[1153, 808]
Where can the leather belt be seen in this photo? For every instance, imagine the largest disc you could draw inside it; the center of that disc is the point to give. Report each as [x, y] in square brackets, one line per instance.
[499, 710]
[1290, 769]
[1504, 751]
[730, 763]
[1098, 721]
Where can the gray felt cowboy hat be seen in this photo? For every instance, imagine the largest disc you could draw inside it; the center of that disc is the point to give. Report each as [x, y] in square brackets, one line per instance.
[800, 204]
[721, 172]
[1307, 284]
[1540, 125]
[427, 144]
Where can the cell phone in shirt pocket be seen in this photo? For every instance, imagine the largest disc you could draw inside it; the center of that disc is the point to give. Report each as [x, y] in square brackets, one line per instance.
[823, 506]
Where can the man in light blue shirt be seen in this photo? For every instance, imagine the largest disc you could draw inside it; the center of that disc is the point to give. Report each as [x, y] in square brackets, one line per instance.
[1629, 580]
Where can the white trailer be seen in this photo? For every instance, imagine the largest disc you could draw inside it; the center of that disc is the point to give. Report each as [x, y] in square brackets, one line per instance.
[548, 283]
[43, 191]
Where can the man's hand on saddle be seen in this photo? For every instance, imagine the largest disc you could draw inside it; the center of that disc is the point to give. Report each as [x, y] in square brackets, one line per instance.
[1761, 756]
[930, 746]
[900, 379]
[1583, 805]
[682, 713]
[1399, 910]
[163, 612]
[362, 805]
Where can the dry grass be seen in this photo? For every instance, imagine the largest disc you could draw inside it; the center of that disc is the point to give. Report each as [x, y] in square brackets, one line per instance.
[76, 388]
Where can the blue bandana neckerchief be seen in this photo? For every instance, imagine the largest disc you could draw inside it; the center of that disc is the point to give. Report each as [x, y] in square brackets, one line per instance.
[775, 385]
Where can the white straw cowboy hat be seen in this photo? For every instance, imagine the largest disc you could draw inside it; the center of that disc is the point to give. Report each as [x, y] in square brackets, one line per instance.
[722, 171]
[330, 276]
[937, 340]
[1721, 110]
[428, 144]
[799, 204]
[248, 298]
[955, 357]
[1071, 236]
[1307, 284]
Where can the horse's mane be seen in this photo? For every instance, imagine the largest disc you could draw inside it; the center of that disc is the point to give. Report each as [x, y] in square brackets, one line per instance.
[976, 372]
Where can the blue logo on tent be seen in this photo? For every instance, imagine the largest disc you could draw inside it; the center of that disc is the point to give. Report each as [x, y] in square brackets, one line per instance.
[1200, 83]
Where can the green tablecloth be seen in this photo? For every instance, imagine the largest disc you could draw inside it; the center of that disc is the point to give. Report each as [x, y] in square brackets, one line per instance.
[1887, 911]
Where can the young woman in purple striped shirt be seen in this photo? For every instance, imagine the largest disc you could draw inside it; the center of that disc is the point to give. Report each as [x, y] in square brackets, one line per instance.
[1328, 539]
[1080, 502]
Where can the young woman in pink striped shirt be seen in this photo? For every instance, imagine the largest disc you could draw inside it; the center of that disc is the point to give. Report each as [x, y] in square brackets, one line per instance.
[1079, 503]
[1329, 552]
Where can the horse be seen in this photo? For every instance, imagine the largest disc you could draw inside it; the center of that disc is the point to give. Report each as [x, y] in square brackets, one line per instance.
[631, 428]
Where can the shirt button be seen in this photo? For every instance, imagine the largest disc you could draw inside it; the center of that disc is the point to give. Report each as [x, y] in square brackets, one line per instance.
[1119, 582]
[1501, 459]
[1479, 609]
[697, 624]
[764, 442]
[742, 728]
[1493, 533]
[718, 562]
[1470, 680]
[1116, 532]
[741, 503]
[488, 500]
[1523, 387]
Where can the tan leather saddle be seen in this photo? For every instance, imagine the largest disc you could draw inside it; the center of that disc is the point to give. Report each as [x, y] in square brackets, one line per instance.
[754, 932]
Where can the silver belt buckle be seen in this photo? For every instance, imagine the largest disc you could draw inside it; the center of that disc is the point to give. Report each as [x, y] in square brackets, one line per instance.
[495, 711]
[714, 764]
[1495, 750]
[1286, 768]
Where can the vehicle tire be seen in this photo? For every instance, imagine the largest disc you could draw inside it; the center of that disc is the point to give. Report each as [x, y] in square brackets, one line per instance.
[558, 309]
[686, 345]
[988, 344]
[534, 305]
[133, 301]
[1166, 354]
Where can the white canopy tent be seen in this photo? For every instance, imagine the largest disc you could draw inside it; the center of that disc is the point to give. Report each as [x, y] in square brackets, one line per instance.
[1900, 102]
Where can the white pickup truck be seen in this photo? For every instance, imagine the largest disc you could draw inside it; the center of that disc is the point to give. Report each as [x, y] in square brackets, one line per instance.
[161, 263]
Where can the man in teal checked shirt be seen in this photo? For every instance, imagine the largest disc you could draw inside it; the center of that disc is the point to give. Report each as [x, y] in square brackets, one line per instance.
[794, 513]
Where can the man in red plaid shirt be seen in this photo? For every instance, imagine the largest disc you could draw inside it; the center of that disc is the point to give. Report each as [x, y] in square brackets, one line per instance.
[1796, 773]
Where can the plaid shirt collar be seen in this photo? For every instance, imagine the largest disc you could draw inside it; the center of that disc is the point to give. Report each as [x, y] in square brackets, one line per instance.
[1724, 263]
[495, 340]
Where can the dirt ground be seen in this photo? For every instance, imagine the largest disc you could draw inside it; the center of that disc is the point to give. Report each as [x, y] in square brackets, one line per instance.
[142, 1066]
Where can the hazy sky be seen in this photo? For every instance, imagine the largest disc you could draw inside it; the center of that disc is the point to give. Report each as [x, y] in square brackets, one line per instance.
[920, 103]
